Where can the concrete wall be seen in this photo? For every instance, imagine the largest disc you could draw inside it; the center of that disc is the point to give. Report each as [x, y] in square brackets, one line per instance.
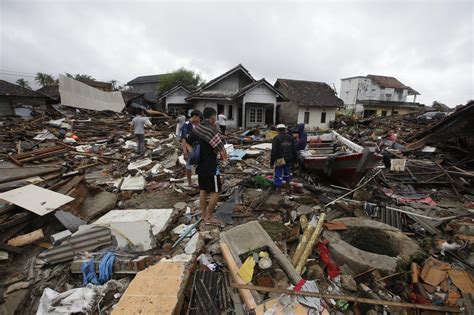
[362, 89]
[315, 116]
[261, 94]
[231, 123]
[229, 84]
[288, 113]
[177, 97]
[390, 110]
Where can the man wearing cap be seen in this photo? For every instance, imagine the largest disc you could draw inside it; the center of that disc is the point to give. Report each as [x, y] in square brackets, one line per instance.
[283, 156]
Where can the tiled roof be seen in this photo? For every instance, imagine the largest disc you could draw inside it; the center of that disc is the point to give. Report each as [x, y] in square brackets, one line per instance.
[309, 93]
[155, 78]
[96, 84]
[391, 82]
[128, 96]
[10, 89]
[50, 90]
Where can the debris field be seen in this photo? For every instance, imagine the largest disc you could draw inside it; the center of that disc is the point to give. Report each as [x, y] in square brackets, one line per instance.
[88, 226]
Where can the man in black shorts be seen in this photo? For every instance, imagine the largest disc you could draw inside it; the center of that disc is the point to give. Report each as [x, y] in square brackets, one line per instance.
[207, 168]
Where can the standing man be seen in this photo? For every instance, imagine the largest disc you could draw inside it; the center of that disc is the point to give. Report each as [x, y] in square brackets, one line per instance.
[222, 122]
[186, 145]
[283, 156]
[179, 124]
[302, 139]
[139, 122]
[211, 146]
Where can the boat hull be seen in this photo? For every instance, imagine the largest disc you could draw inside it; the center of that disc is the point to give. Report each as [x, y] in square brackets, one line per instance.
[345, 170]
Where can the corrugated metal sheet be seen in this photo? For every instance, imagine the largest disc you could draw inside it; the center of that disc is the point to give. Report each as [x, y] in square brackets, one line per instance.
[85, 240]
[80, 95]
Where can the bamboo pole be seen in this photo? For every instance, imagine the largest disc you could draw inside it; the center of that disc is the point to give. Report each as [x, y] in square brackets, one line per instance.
[303, 242]
[309, 246]
[347, 298]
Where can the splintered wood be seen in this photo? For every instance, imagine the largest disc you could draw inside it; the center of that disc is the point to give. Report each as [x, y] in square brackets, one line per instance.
[155, 290]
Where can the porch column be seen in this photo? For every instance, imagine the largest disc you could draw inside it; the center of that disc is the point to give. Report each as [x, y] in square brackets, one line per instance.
[274, 113]
[243, 116]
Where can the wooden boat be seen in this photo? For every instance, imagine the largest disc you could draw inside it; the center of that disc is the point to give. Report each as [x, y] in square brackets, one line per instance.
[337, 158]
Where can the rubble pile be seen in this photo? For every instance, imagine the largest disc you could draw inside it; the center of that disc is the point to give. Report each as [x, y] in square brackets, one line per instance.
[89, 226]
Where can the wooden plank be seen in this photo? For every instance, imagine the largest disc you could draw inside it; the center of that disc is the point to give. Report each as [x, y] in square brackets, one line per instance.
[26, 239]
[347, 298]
[234, 270]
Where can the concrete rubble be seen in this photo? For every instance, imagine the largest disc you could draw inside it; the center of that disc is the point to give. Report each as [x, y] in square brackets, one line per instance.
[396, 240]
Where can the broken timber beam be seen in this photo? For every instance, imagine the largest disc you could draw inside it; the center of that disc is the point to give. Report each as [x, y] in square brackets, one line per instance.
[347, 298]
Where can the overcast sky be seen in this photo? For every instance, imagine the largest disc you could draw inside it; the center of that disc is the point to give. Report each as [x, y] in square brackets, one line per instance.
[426, 45]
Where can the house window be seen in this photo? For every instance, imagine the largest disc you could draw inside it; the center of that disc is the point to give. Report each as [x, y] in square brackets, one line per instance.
[394, 112]
[323, 117]
[252, 115]
[259, 115]
[388, 96]
[384, 113]
[230, 113]
[256, 115]
[306, 117]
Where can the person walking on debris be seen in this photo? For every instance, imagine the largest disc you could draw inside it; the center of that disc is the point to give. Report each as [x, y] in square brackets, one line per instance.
[138, 125]
[282, 157]
[210, 146]
[179, 124]
[187, 146]
[302, 137]
[222, 122]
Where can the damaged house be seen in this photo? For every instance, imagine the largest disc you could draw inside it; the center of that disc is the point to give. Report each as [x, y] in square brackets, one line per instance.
[312, 103]
[13, 96]
[174, 101]
[149, 86]
[245, 101]
[377, 95]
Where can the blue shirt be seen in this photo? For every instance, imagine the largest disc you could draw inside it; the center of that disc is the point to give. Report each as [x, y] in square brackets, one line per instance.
[186, 130]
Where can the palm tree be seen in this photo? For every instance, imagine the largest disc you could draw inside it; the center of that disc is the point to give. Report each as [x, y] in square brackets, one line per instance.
[23, 83]
[44, 79]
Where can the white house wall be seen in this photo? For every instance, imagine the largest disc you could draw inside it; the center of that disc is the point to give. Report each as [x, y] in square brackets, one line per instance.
[177, 97]
[229, 84]
[232, 123]
[261, 94]
[362, 89]
[315, 117]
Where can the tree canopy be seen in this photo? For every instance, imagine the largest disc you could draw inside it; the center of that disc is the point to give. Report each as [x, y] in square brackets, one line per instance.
[44, 79]
[184, 77]
[78, 76]
[23, 83]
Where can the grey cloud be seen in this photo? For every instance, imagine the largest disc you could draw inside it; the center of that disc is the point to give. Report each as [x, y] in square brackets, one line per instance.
[427, 46]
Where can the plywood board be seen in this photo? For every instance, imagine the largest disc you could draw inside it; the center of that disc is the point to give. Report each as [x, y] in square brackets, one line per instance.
[36, 199]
